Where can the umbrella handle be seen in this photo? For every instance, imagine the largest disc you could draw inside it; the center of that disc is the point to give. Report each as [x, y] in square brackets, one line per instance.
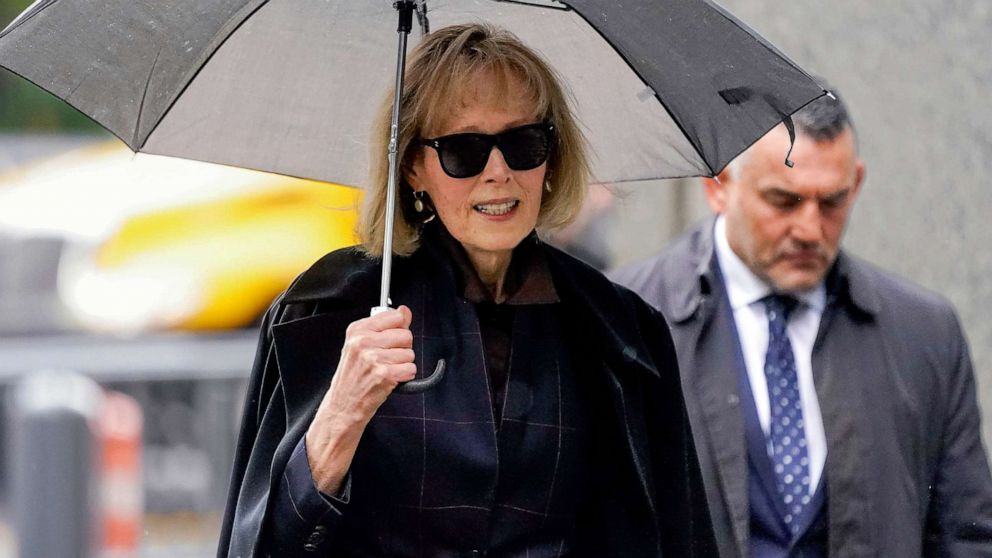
[423, 384]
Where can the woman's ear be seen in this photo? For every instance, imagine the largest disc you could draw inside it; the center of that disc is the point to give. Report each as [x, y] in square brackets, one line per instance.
[415, 172]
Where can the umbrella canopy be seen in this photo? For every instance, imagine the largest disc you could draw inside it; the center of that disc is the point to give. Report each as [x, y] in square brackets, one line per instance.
[663, 88]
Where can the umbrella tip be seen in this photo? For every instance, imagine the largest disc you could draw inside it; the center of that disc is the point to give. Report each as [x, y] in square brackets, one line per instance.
[790, 126]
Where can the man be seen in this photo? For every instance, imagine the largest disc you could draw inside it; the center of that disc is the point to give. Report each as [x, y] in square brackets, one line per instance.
[833, 405]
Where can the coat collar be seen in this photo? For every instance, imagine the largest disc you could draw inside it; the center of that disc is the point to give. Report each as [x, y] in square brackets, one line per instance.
[349, 277]
[352, 272]
[602, 307]
[342, 275]
[847, 284]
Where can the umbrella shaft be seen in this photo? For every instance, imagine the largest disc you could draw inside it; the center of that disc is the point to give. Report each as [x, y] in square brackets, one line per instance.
[405, 10]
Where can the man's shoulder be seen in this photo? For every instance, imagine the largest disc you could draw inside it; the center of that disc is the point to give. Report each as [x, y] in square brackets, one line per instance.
[672, 272]
[891, 294]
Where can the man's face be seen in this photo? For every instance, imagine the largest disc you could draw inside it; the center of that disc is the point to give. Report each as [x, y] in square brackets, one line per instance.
[786, 223]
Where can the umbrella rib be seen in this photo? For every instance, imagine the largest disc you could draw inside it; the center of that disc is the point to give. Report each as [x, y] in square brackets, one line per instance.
[32, 11]
[206, 58]
[758, 39]
[692, 141]
[144, 95]
[774, 50]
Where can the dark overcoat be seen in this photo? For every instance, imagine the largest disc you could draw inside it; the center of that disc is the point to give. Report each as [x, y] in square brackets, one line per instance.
[906, 473]
[646, 496]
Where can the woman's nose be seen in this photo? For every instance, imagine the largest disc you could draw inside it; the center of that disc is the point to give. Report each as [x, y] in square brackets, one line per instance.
[496, 169]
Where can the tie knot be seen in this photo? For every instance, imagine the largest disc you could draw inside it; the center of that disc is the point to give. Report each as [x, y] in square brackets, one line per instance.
[779, 306]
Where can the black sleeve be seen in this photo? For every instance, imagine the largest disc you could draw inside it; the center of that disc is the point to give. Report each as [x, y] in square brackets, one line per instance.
[688, 532]
[301, 518]
[261, 386]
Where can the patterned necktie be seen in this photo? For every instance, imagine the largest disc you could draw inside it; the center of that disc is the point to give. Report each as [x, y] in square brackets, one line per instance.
[787, 436]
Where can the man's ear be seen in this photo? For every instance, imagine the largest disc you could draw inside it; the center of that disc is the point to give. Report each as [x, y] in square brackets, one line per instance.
[715, 189]
[860, 173]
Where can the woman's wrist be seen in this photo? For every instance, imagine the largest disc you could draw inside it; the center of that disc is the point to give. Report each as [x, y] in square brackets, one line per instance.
[330, 452]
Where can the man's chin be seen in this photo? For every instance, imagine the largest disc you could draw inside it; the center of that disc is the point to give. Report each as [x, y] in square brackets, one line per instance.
[794, 281]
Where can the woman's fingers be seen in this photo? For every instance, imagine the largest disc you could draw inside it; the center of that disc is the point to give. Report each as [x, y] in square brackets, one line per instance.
[403, 372]
[376, 357]
[399, 318]
[372, 342]
[396, 356]
[376, 378]
[391, 339]
[407, 316]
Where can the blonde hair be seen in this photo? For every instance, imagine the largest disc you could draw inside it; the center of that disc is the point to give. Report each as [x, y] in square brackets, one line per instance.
[437, 71]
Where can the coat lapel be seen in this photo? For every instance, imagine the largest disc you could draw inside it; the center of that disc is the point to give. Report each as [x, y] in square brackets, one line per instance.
[711, 373]
[307, 350]
[624, 352]
[706, 337]
[838, 373]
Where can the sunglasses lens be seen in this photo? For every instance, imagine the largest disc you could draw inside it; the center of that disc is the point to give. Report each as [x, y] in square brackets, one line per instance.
[464, 155]
[524, 148]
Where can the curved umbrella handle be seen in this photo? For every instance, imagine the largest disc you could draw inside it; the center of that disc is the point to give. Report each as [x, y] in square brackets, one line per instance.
[423, 384]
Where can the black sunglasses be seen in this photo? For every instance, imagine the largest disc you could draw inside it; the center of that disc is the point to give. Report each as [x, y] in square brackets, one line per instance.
[466, 155]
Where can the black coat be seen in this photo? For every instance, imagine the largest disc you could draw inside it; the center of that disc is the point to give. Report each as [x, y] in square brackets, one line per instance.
[646, 497]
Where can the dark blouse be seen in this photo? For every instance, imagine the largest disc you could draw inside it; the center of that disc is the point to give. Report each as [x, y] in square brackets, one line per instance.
[528, 281]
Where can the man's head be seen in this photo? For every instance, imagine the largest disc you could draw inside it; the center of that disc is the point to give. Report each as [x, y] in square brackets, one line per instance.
[786, 223]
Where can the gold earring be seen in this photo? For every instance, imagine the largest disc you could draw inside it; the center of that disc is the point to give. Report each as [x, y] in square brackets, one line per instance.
[418, 201]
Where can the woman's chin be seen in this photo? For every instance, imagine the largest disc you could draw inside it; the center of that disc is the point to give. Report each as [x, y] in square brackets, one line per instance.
[481, 240]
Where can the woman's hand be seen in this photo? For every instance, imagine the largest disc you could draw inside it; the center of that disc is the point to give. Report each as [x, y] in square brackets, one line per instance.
[377, 356]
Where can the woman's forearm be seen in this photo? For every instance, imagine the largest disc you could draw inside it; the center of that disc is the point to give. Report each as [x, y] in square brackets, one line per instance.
[330, 451]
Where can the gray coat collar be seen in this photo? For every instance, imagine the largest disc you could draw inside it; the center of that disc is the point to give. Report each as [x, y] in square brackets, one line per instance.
[847, 284]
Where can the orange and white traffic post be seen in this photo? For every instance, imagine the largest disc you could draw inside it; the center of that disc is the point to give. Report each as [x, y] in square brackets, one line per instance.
[120, 476]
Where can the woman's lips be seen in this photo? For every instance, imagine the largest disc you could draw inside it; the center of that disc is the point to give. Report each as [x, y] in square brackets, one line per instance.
[497, 208]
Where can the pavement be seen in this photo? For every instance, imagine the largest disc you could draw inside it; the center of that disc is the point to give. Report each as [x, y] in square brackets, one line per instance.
[178, 535]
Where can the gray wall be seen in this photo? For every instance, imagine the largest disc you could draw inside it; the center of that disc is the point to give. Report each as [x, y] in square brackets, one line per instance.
[917, 75]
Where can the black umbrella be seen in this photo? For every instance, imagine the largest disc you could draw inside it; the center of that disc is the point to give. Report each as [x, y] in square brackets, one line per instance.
[663, 88]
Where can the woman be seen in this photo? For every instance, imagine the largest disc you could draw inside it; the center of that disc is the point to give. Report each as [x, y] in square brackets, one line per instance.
[559, 428]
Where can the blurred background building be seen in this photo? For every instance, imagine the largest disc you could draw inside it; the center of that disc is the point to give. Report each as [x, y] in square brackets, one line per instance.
[86, 226]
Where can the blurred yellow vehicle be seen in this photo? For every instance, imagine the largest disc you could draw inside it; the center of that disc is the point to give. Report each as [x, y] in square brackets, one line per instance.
[153, 243]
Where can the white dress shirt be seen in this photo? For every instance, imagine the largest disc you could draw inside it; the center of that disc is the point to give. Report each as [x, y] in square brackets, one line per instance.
[745, 291]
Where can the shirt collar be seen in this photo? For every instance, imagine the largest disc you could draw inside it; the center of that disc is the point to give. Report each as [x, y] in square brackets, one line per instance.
[743, 286]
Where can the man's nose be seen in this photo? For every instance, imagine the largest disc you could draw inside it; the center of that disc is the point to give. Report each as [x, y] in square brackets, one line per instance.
[807, 226]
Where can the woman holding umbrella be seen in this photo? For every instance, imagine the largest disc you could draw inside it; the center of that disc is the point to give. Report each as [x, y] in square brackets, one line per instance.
[559, 428]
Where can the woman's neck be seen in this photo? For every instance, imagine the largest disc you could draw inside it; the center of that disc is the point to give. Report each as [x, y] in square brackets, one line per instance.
[491, 268]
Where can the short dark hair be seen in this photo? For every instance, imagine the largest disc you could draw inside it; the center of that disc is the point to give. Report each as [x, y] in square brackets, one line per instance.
[825, 118]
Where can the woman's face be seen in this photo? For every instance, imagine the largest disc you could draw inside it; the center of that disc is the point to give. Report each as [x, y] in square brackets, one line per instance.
[492, 212]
